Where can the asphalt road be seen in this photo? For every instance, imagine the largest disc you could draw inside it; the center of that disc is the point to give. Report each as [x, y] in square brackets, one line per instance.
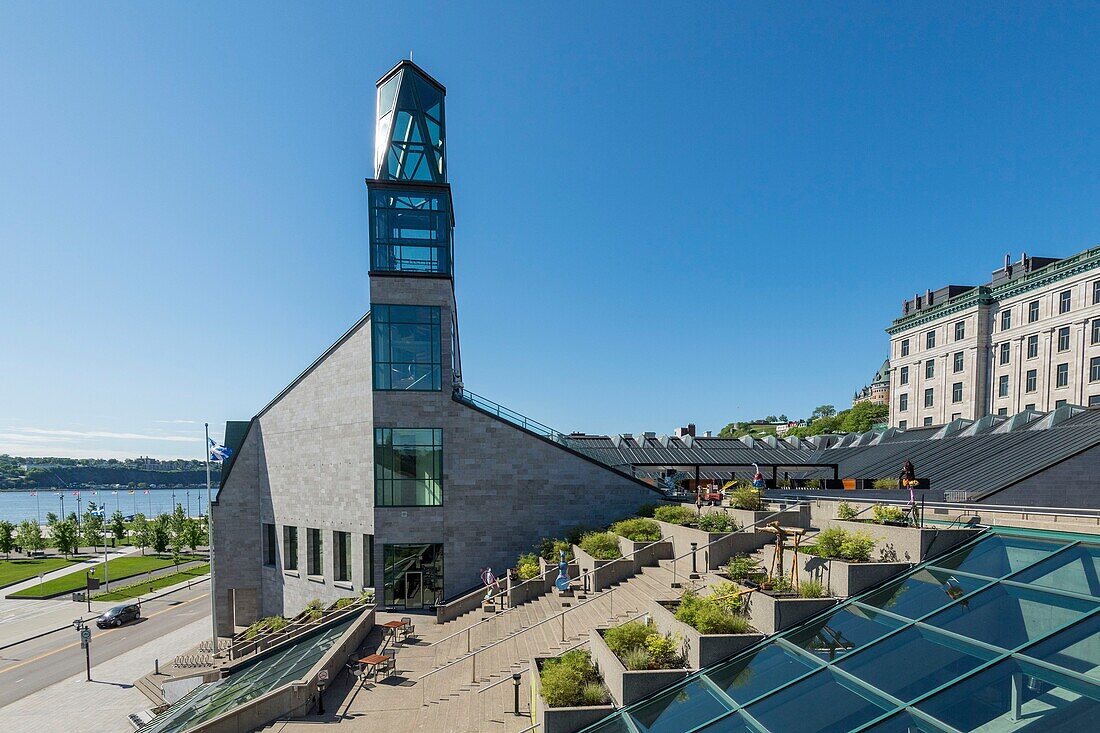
[33, 665]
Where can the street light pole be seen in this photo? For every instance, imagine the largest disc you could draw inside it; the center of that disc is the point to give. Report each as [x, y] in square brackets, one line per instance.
[210, 541]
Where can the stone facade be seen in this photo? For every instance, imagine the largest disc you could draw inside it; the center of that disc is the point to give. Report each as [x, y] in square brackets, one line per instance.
[997, 363]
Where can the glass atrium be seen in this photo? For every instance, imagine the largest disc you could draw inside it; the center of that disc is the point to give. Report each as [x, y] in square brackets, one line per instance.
[1003, 634]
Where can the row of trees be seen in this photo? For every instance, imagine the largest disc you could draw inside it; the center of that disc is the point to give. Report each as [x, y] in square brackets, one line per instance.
[859, 419]
[174, 531]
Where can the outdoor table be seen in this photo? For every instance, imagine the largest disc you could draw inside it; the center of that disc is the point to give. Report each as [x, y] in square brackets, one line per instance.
[394, 627]
[372, 661]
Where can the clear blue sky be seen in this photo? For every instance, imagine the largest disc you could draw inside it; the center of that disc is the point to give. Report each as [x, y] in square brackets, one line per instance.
[664, 213]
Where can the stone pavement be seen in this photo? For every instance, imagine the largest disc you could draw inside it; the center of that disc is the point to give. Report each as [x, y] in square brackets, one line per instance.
[101, 706]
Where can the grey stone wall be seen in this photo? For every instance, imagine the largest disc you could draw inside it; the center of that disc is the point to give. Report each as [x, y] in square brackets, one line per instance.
[1073, 483]
[237, 538]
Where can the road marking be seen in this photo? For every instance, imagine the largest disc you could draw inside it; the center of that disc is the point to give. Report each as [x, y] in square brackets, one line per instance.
[76, 644]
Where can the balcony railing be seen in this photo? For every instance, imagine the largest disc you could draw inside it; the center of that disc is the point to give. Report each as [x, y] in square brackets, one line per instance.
[493, 408]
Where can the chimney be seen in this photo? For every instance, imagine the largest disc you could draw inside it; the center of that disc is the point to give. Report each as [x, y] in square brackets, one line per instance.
[1008, 262]
[691, 429]
[707, 434]
[928, 296]
[1025, 261]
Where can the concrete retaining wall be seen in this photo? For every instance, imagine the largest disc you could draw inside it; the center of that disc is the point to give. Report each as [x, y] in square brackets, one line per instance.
[725, 546]
[840, 578]
[904, 544]
[770, 614]
[601, 573]
[702, 650]
[647, 553]
[560, 720]
[626, 685]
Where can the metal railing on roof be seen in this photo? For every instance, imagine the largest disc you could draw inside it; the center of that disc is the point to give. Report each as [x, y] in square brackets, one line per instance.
[494, 408]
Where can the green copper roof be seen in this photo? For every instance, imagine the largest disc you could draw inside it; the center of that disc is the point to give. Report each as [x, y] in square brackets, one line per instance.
[1002, 634]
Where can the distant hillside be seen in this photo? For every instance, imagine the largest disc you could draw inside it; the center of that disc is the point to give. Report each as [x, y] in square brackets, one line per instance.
[42, 473]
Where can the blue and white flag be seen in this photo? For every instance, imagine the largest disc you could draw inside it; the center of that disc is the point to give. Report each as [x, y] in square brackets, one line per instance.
[219, 452]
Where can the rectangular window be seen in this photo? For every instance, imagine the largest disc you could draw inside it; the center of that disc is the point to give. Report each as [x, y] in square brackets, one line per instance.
[957, 392]
[406, 347]
[903, 375]
[1002, 411]
[1033, 311]
[1030, 380]
[929, 369]
[927, 421]
[930, 340]
[960, 330]
[1006, 320]
[1063, 338]
[270, 548]
[410, 230]
[1032, 346]
[905, 347]
[1095, 331]
[1094, 400]
[903, 402]
[341, 544]
[1002, 386]
[1005, 352]
[290, 548]
[1063, 301]
[1096, 293]
[1059, 403]
[903, 424]
[1094, 369]
[408, 466]
[1062, 379]
[929, 397]
[368, 561]
[1029, 406]
[958, 363]
[315, 552]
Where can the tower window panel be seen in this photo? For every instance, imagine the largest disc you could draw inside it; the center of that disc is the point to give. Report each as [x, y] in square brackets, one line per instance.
[410, 231]
[958, 365]
[406, 347]
[408, 466]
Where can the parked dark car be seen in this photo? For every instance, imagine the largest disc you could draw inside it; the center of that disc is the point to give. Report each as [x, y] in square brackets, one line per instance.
[118, 616]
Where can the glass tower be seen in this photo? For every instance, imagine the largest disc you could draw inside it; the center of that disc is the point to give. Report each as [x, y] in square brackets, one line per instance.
[411, 221]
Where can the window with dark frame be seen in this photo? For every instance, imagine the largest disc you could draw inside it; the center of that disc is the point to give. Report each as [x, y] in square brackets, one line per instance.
[930, 340]
[1030, 380]
[290, 548]
[957, 392]
[1094, 369]
[341, 547]
[958, 365]
[929, 397]
[1033, 311]
[1064, 301]
[960, 330]
[1006, 320]
[1062, 379]
[903, 402]
[903, 375]
[314, 552]
[1002, 386]
[929, 369]
[1063, 338]
[1005, 352]
[905, 347]
[1032, 346]
[270, 550]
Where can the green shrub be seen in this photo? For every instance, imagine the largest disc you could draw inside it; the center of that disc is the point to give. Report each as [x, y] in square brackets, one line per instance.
[844, 545]
[342, 603]
[741, 567]
[777, 583]
[664, 651]
[811, 589]
[314, 608]
[573, 536]
[713, 614]
[814, 483]
[527, 566]
[844, 510]
[593, 693]
[717, 522]
[624, 637]
[883, 484]
[712, 619]
[265, 625]
[883, 513]
[548, 549]
[565, 678]
[636, 658]
[746, 497]
[646, 510]
[689, 606]
[638, 530]
[674, 514]
[601, 545]
[726, 595]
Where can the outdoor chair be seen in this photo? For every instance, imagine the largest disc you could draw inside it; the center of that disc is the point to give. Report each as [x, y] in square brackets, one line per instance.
[408, 626]
[390, 665]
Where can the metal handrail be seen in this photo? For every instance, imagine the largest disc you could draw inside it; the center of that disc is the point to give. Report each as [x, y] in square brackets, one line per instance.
[541, 576]
[507, 414]
[971, 507]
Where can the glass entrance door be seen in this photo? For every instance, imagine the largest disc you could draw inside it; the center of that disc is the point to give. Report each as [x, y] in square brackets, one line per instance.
[414, 589]
[413, 575]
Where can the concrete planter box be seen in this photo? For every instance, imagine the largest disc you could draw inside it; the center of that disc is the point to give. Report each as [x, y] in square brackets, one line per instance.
[770, 614]
[520, 592]
[601, 573]
[702, 650]
[840, 577]
[560, 720]
[648, 553]
[725, 546]
[747, 517]
[905, 544]
[627, 685]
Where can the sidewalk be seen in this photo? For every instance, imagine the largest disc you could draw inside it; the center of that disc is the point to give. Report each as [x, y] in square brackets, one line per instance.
[77, 706]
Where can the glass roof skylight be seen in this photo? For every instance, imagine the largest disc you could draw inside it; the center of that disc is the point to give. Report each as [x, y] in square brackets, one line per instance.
[1001, 634]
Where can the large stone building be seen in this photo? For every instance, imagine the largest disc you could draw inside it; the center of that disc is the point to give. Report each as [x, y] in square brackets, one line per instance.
[1027, 340]
[878, 391]
[376, 468]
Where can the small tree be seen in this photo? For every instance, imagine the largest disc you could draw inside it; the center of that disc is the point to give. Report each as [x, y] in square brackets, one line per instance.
[143, 536]
[118, 526]
[92, 529]
[7, 537]
[162, 533]
[193, 535]
[177, 524]
[29, 536]
[51, 519]
[64, 537]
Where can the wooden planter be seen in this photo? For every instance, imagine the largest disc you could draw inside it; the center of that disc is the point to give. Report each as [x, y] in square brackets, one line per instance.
[905, 544]
[726, 545]
[560, 720]
[627, 685]
[601, 573]
[702, 650]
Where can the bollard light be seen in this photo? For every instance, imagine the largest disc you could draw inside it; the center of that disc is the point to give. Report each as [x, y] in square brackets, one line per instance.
[515, 681]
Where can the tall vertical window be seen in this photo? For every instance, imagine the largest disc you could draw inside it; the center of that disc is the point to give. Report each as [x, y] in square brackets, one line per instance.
[408, 466]
[957, 392]
[368, 561]
[1096, 293]
[929, 397]
[960, 330]
[1006, 320]
[1005, 352]
[929, 369]
[1094, 369]
[1062, 376]
[1063, 338]
[1029, 384]
[341, 547]
[315, 552]
[1096, 331]
[1033, 311]
[903, 402]
[270, 548]
[905, 347]
[406, 347]
[903, 424]
[410, 230]
[1064, 300]
[930, 340]
[290, 548]
[1002, 386]
[1032, 346]
[903, 375]
[958, 362]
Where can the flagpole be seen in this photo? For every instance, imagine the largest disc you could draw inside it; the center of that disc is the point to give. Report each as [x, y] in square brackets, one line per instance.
[210, 540]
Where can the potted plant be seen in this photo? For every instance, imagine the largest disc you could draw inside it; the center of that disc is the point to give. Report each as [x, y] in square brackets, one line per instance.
[567, 693]
[636, 659]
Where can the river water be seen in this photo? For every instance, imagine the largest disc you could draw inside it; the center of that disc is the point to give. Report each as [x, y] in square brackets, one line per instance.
[15, 506]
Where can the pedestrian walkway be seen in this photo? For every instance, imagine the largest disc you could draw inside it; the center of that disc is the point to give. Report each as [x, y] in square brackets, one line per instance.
[101, 706]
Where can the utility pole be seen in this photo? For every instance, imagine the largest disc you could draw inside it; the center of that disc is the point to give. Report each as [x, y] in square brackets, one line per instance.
[210, 540]
[85, 644]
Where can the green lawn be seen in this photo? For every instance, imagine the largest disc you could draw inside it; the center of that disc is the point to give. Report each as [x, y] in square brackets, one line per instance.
[15, 571]
[120, 568]
[140, 588]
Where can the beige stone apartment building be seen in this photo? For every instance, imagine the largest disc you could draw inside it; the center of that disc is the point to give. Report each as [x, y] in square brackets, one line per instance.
[1027, 340]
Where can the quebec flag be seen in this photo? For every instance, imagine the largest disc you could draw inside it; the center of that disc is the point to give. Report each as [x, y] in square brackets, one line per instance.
[218, 452]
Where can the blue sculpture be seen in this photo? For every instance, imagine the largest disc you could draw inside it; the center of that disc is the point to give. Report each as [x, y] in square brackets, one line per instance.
[562, 583]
